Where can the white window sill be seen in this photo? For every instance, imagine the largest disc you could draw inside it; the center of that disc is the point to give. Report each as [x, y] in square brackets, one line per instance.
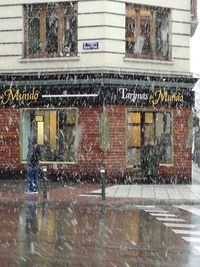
[150, 61]
[51, 59]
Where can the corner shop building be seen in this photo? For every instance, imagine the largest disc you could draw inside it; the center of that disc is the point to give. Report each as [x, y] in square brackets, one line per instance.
[85, 121]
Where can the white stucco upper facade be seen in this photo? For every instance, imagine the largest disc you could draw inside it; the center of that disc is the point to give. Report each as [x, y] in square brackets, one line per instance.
[101, 22]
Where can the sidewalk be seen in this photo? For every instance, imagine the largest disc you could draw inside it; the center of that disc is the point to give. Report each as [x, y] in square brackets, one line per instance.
[13, 191]
[159, 193]
[155, 193]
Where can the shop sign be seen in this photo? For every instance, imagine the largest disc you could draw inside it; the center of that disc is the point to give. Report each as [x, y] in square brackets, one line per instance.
[12, 96]
[158, 97]
[41, 96]
[163, 96]
[133, 96]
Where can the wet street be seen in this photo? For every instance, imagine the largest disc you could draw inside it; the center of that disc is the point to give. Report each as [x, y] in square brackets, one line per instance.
[42, 234]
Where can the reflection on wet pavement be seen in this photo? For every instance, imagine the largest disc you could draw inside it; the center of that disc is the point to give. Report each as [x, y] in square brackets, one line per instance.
[37, 234]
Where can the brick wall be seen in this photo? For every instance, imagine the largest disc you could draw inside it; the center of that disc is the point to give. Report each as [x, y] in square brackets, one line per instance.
[9, 139]
[90, 157]
[182, 156]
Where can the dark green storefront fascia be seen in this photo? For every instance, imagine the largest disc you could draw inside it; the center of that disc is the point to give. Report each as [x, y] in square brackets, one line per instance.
[96, 89]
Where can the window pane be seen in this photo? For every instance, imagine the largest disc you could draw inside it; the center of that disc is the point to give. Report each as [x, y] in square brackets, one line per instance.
[166, 148]
[26, 130]
[46, 126]
[52, 130]
[33, 30]
[71, 116]
[40, 132]
[133, 157]
[162, 34]
[70, 156]
[148, 117]
[134, 136]
[167, 122]
[67, 134]
[149, 134]
[130, 12]
[70, 28]
[134, 117]
[166, 139]
[38, 118]
[143, 40]
[52, 29]
[159, 124]
[130, 28]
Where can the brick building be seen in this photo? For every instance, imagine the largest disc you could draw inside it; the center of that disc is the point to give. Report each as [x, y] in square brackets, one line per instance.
[96, 82]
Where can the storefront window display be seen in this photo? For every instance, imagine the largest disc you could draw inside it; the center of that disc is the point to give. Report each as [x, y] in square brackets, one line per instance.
[148, 128]
[55, 130]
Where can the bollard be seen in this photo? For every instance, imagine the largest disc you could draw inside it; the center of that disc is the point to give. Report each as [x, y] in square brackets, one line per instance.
[103, 182]
[44, 170]
[44, 181]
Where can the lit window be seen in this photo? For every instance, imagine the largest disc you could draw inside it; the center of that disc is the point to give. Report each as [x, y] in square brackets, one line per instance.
[55, 131]
[147, 32]
[151, 128]
[50, 29]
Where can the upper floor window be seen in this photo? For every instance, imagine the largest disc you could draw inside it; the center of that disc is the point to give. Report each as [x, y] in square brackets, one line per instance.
[50, 29]
[147, 32]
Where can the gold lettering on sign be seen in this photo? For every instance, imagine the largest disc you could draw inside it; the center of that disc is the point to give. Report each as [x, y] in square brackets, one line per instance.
[11, 95]
[161, 96]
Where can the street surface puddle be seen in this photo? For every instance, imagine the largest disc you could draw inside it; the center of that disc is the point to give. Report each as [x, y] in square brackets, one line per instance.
[44, 234]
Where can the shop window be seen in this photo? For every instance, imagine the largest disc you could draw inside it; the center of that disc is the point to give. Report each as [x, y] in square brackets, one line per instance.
[55, 131]
[50, 29]
[145, 128]
[147, 32]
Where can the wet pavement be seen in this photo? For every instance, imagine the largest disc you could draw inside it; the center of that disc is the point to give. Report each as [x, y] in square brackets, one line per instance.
[35, 234]
[71, 225]
[91, 194]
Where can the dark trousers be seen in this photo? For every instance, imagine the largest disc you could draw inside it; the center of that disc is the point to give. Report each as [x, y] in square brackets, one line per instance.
[32, 175]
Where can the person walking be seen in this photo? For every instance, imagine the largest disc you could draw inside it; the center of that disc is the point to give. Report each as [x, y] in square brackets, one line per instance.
[33, 158]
